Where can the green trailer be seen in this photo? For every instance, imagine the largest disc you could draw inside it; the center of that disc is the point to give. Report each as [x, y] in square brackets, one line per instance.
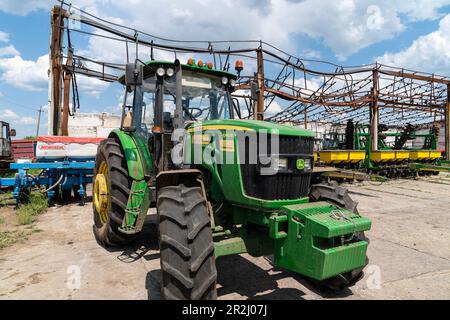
[224, 202]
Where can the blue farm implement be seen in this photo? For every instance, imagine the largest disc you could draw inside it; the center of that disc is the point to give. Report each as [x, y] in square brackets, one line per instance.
[64, 167]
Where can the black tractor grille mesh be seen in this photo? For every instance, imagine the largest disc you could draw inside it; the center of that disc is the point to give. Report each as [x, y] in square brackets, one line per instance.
[293, 184]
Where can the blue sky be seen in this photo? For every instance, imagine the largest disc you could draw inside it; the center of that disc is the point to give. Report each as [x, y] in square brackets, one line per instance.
[412, 34]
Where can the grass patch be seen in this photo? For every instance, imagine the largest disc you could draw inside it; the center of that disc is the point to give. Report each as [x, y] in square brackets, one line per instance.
[6, 198]
[8, 238]
[27, 213]
[2, 221]
[6, 173]
[34, 172]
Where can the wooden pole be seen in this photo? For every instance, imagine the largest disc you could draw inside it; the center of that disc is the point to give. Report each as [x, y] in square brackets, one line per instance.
[55, 71]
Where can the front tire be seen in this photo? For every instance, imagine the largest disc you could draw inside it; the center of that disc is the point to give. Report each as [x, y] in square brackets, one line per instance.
[111, 163]
[187, 249]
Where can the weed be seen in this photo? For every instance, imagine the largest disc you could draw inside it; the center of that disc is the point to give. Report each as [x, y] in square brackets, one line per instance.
[27, 213]
[8, 238]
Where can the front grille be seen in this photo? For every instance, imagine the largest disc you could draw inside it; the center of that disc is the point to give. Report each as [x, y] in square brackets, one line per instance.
[288, 185]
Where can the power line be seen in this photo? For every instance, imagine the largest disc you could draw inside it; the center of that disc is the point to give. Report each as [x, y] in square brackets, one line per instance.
[17, 104]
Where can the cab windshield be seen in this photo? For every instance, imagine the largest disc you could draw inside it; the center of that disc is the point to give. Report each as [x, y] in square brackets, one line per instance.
[204, 97]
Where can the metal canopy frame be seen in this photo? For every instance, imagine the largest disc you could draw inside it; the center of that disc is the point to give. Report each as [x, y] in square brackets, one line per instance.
[305, 90]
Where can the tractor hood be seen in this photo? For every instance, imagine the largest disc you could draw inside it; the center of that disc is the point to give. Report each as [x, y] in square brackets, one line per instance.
[254, 125]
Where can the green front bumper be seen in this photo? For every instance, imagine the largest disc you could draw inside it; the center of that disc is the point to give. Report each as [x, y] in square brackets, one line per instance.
[313, 239]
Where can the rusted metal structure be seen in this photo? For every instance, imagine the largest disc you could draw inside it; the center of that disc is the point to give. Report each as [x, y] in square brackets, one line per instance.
[303, 91]
[55, 69]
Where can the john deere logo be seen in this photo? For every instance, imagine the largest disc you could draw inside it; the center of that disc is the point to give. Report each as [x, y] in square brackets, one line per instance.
[300, 164]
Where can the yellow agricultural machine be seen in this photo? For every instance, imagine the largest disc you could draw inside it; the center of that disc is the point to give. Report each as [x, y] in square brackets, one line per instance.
[399, 154]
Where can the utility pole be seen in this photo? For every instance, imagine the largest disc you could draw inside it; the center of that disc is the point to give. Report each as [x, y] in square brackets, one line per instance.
[39, 121]
[55, 70]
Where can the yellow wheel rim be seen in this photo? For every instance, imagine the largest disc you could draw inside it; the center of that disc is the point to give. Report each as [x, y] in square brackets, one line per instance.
[101, 192]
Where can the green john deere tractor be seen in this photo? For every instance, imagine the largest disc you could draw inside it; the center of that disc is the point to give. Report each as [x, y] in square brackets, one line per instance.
[225, 201]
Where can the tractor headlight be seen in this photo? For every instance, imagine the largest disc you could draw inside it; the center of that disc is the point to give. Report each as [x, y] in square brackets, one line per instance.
[280, 164]
[224, 81]
[160, 72]
[170, 72]
[232, 82]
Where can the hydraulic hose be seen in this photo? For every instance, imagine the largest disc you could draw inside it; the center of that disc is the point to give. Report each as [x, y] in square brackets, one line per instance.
[55, 185]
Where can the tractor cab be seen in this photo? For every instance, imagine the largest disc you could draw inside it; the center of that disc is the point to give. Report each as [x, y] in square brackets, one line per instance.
[5, 139]
[163, 96]
[152, 104]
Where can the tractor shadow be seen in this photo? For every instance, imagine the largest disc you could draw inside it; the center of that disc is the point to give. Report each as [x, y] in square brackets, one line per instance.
[145, 246]
[72, 200]
[239, 277]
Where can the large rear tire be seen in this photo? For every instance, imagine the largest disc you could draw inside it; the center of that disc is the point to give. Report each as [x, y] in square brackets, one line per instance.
[187, 249]
[111, 163]
[339, 197]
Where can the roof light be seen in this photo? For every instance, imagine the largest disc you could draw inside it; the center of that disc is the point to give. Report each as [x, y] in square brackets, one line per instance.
[160, 72]
[239, 65]
[191, 61]
[170, 72]
[200, 63]
[210, 65]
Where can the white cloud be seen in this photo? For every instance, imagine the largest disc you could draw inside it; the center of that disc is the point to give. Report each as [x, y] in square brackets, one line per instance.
[4, 37]
[418, 10]
[25, 74]
[344, 26]
[274, 108]
[430, 52]
[16, 119]
[9, 51]
[9, 115]
[91, 86]
[46, 108]
[33, 76]
[27, 121]
[310, 54]
[23, 7]
[24, 125]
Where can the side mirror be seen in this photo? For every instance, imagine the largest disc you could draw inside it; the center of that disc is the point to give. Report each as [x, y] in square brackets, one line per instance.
[134, 74]
[12, 133]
